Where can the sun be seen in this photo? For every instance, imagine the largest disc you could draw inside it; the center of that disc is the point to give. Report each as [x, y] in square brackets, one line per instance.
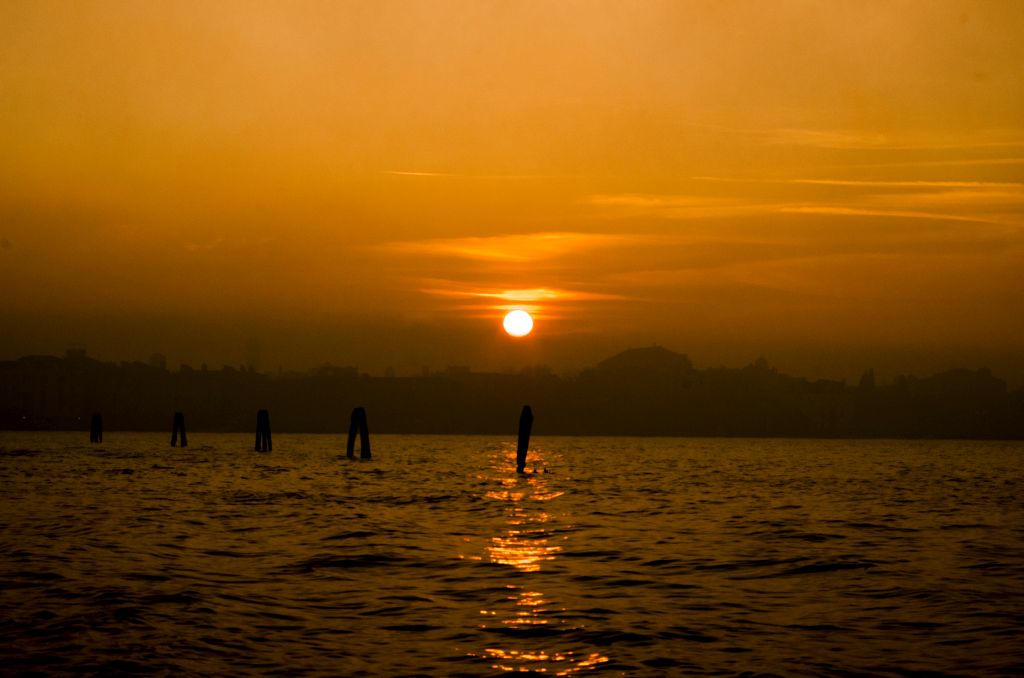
[518, 323]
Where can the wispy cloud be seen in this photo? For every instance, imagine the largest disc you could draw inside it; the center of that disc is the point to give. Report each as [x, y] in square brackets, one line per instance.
[984, 199]
[847, 139]
[546, 260]
[859, 183]
[950, 162]
[910, 184]
[402, 173]
[446, 288]
[647, 200]
[542, 302]
[969, 201]
[468, 175]
[959, 200]
[836, 139]
[834, 210]
[676, 207]
[527, 247]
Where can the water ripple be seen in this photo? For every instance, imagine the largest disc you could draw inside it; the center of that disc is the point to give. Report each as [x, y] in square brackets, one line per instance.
[631, 557]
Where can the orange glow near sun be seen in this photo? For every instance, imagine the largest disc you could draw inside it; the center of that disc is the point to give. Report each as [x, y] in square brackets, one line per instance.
[518, 323]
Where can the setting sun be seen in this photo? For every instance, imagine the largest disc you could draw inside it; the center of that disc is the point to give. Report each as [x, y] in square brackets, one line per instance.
[518, 323]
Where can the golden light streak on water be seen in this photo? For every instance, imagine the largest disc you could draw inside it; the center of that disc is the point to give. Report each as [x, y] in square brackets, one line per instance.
[510, 661]
[527, 545]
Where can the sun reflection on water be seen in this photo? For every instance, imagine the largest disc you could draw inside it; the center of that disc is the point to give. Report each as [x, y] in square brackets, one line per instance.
[511, 660]
[527, 544]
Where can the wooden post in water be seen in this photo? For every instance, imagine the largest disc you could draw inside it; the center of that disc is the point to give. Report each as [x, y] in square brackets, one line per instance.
[96, 428]
[178, 427]
[525, 427]
[263, 443]
[358, 423]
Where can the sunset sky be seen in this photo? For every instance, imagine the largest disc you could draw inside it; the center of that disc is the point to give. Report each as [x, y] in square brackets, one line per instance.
[834, 185]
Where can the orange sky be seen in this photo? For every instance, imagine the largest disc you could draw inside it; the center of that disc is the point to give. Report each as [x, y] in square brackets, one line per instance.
[370, 183]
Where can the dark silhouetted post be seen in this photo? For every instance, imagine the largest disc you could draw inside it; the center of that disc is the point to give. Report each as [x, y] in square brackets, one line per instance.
[96, 428]
[179, 427]
[525, 426]
[359, 424]
[263, 443]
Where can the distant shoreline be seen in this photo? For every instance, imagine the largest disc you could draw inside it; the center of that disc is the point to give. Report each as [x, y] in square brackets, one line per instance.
[646, 392]
[196, 435]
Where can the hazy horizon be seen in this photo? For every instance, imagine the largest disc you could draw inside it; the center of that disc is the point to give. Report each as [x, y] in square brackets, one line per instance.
[309, 347]
[835, 186]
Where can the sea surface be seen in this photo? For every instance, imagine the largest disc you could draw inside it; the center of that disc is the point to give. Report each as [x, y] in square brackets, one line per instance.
[637, 557]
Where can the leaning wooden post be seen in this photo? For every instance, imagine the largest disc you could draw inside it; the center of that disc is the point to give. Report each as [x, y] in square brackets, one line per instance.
[96, 428]
[357, 424]
[525, 426]
[178, 427]
[263, 442]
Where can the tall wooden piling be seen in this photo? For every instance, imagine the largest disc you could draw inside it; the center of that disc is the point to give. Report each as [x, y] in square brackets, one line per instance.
[525, 427]
[96, 428]
[178, 427]
[263, 442]
[358, 424]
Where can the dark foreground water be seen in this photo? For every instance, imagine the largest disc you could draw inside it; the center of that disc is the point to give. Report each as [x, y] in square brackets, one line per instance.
[631, 556]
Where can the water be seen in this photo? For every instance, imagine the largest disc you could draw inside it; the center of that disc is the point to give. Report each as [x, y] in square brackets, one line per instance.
[629, 557]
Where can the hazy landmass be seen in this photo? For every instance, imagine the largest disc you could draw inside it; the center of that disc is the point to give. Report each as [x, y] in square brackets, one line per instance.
[647, 391]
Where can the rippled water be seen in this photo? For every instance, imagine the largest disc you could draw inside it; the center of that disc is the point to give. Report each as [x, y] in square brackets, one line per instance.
[630, 556]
